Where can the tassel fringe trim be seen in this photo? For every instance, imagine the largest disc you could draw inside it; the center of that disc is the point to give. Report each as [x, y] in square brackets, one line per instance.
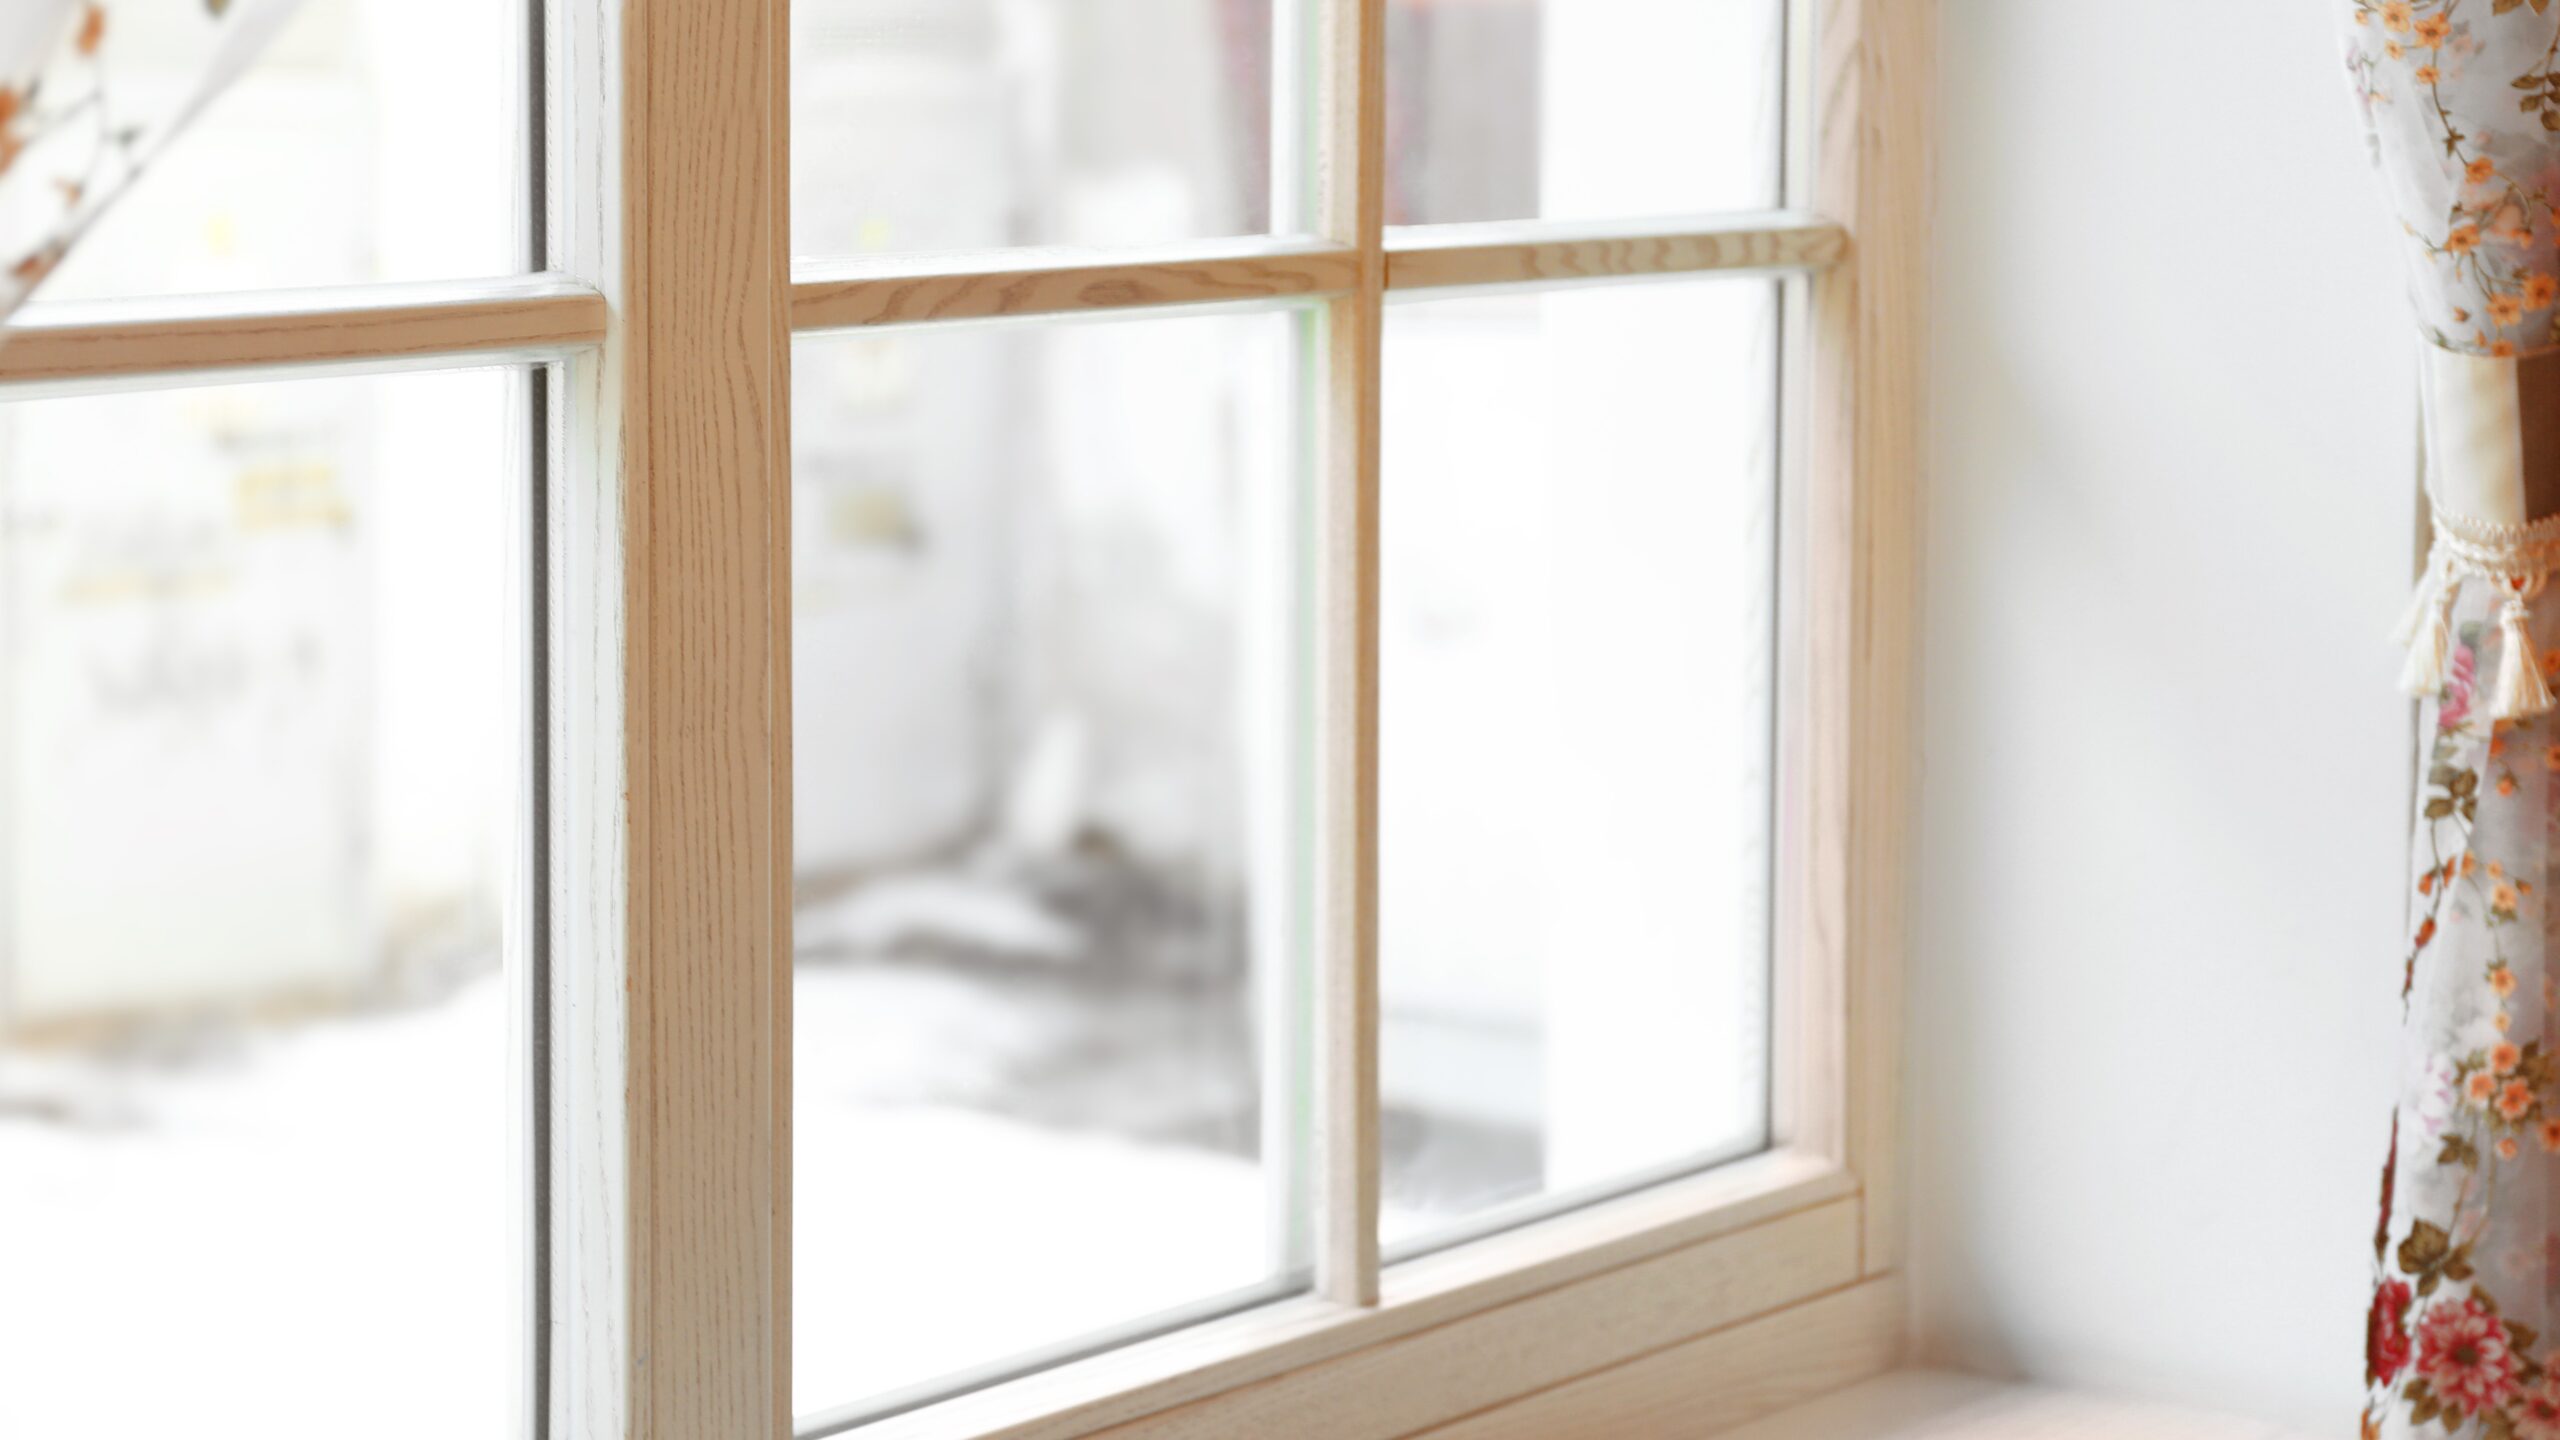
[2518, 560]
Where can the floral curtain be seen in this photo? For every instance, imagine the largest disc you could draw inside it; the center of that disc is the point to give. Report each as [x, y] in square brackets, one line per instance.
[71, 138]
[2462, 104]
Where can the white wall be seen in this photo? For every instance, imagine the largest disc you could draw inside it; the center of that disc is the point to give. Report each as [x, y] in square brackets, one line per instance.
[2158, 903]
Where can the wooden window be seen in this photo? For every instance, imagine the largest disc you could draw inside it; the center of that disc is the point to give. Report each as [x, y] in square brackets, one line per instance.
[1720, 1264]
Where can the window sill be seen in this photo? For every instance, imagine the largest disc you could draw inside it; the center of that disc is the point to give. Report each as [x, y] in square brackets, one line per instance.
[1531, 1312]
[1927, 1405]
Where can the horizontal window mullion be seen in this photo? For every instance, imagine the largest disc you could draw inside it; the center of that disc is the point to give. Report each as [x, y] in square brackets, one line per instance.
[1004, 284]
[375, 327]
[1543, 253]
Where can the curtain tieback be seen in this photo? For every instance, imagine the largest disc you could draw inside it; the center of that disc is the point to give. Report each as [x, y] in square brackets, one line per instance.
[2517, 560]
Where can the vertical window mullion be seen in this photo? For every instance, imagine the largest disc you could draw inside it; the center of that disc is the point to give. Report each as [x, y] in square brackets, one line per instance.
[1351, 206]
[587, 1352]
[782, 867]
[669, 788]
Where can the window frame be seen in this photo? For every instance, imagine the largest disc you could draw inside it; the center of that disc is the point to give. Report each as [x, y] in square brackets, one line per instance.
[664, 319]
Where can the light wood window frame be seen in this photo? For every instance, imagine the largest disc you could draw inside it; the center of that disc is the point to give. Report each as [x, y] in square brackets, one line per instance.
[665, 320]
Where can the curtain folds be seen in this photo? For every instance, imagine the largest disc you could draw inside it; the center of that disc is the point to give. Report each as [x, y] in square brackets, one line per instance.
[2461, 100]
[71, 138]
[2468, 1248]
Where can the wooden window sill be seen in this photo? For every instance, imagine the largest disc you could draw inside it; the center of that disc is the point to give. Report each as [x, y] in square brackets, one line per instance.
[1929, 1405]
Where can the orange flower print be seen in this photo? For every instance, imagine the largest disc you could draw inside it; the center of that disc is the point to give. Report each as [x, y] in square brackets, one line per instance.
[2506, 784]
[2426, 932]
[2539, 291]
[2507, 1148]
[2505, 309]
[2502, 349]
[2428, 75]
[2480, 1088]
[2502, 1022]
[2497, 742]
[2503, 981]
[2550, 1134]
[93, 29]
[2433, 29]
[2427, 882]
[2463, 240]
[2480, 171]
[2497, 871]
[2516, 1099]
[2505, 1057]
[2395, 16]
[2468, 863]
[2395, 50]
[2502, 898]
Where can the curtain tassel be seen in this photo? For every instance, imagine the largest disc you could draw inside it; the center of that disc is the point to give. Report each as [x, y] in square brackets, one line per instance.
[2422, 600]
[2522, 692]
[2427, 630]
[2516, 561]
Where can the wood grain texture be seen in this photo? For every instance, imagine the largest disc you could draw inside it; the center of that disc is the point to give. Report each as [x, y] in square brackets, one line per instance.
[1520, 253]
[1206, 1360]
[1008, 283]
[700, 290]
[1715, 1382]
[1498, 1355]
[781, 871]
[535, 317]
[1874, 65]
[1351, 192]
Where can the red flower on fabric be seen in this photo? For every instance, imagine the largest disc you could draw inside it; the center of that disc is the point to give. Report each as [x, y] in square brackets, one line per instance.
[2463, 1353]
[2537, 1412]
[2386, 1333]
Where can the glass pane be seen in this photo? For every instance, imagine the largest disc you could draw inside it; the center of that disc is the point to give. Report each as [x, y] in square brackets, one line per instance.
[1048, 654]
[1581, 109]
[373, 140]
[966, 124]
[1577, 636]
[258, 760]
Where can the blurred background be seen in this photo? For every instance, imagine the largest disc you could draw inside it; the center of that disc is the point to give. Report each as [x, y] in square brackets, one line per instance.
[260, 709]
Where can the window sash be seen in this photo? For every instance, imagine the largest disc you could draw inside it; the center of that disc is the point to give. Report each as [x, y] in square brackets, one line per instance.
[665, 317]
